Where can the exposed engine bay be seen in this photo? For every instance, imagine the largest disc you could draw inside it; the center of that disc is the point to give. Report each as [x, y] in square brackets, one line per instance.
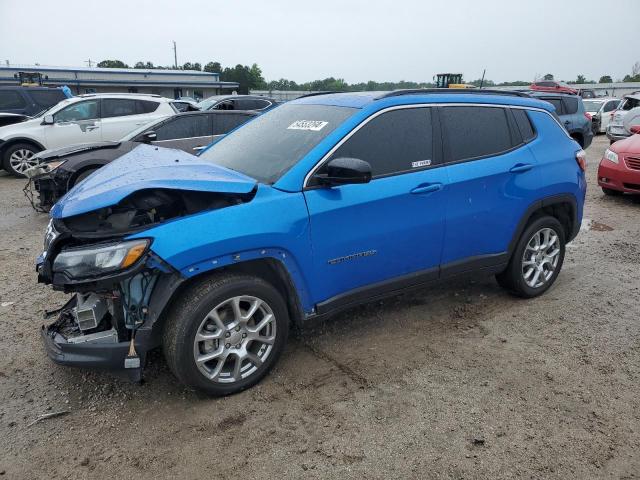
[145, 208]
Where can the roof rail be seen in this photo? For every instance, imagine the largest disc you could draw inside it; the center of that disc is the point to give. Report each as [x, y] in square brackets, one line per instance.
[120, 93]
[459, 91]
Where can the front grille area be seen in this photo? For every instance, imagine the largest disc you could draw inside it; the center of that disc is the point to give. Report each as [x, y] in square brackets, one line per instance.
[633, 162]
[631, 186]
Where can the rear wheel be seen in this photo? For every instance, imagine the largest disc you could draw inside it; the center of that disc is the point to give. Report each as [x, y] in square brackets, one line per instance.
[536, 260]
[611, 192]
[226, 333]
[20, 157]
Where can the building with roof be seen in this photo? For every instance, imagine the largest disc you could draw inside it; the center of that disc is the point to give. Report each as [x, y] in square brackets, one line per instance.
[168, 83]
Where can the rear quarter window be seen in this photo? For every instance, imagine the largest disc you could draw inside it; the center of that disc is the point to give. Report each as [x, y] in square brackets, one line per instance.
[45, 98]
[524, 124]
[570, 105]
[146, 106]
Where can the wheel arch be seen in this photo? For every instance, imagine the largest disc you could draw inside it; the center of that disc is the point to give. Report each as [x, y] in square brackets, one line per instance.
[13, 141]
[564, 207]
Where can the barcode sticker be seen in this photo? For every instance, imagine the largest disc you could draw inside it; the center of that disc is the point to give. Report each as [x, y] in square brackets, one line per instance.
[421, 163]
[313, 125]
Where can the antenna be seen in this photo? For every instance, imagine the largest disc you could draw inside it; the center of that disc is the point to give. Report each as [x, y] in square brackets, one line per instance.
[482, 81]
[175, 54]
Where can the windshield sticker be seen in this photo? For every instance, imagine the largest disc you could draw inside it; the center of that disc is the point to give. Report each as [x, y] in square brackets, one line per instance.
[313, 125]
[421, 163]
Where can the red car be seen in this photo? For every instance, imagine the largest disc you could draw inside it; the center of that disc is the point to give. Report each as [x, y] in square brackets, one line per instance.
[552, 86]
[619, 169]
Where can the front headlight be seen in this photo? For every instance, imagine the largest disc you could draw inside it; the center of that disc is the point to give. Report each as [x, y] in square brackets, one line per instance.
[99, 260]
[50, 166]
[611, 156]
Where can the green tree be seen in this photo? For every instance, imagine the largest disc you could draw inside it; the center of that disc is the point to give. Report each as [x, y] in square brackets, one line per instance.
[112, 64]
[581, 79]
[145, 65]
[605, 79]
[548, 76]
[213, 67]
[192, 66]
[257, 80]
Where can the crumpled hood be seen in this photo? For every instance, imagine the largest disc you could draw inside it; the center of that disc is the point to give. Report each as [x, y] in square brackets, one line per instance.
[146, 167]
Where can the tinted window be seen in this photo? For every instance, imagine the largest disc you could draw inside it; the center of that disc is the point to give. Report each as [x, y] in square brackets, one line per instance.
[118, 107]
[611, 106]
[146, 106]
[10, 99]
[271, 144]
[476, 131]
[261, 104]
[225, 123]
[396, 141]
[546, 84]
[524, 124]
[570, 105]
[87, 110]
[225, 105]
[46, 98]
[184, 127]
[556, 102]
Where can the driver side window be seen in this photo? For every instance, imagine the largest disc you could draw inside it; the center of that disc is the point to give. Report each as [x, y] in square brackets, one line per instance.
[88, 110]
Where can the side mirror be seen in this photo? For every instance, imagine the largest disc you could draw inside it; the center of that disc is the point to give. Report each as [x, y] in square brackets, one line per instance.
[47, 120]
[635, 129]
[149, 137]
[344, 171]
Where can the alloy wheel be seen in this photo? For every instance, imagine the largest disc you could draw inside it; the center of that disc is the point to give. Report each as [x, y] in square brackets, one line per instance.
[540, 257]
[22, 159]
[234, 339]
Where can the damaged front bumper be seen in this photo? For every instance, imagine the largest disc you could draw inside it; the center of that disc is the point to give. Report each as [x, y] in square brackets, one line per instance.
[112, 321]
[44, 188]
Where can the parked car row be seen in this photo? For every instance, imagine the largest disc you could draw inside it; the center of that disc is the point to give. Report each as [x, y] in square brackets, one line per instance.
[317, 205]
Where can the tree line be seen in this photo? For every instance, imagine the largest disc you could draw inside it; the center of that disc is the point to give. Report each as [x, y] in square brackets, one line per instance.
[250, 78]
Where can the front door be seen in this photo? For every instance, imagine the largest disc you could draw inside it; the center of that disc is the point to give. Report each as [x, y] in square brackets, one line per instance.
[388, 230]
[77, 123]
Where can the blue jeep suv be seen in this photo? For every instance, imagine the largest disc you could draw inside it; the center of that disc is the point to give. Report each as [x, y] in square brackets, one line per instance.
[323, 203]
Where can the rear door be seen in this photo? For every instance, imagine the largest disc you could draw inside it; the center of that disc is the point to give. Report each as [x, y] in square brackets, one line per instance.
[122, 115]
[577, 121]
[388, 229]
[491, 174]
[185, 132]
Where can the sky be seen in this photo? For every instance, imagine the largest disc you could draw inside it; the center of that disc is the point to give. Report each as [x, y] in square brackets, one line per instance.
[355, 40]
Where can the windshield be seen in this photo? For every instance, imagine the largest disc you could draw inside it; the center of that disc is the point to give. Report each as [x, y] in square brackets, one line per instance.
[592, 106]
[266, 147]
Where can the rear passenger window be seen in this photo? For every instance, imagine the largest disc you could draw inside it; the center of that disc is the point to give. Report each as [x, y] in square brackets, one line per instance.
[146, 106]
[570, 105]
[524, 124]
[476, 131]
[187, 126]
[10, 100]
[223, 124]
[118, 107]
[396, 141]
[556, 102]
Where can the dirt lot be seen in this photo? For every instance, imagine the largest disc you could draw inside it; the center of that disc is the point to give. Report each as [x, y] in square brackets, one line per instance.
[458, 381]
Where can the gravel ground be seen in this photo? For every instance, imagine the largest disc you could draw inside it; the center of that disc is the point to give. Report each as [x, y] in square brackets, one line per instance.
[457, 381]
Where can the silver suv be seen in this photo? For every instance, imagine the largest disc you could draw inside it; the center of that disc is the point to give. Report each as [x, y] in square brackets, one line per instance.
[627, 114]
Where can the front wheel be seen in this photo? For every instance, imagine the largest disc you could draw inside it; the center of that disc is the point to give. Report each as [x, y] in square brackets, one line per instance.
[19, 158]
[536, 260]
[226, 333]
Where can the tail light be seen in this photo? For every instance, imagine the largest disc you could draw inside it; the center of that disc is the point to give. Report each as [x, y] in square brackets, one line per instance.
[588, 115]
[581, 158]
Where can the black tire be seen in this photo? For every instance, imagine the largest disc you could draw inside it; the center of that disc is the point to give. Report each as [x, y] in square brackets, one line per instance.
[512, 279]
[610, 192]
[189, 312]
[83, 175]
[6, 158]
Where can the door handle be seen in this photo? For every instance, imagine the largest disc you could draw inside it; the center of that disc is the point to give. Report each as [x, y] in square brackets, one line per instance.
[521, 167]
[427, 188]
[567, 122]
[199, 148]
[92, 127]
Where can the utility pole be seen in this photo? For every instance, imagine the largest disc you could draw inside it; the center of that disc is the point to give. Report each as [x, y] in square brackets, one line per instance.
[175, 54]
[89, 62]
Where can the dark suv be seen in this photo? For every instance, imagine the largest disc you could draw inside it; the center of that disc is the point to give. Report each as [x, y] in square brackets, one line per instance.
[29, 100]
[572, 114]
